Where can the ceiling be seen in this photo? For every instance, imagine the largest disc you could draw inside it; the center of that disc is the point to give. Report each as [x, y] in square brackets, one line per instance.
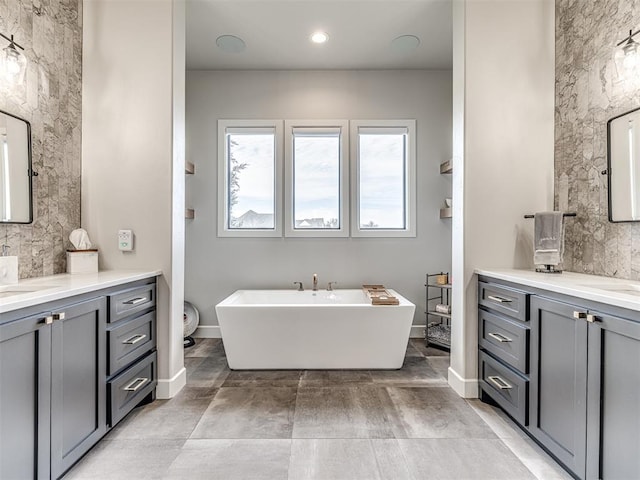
[276, 33]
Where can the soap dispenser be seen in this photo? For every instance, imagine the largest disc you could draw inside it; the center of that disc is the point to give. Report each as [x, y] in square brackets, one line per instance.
[8, 267]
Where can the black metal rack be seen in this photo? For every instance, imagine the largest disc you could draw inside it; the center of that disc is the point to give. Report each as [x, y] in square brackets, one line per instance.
[438, 329]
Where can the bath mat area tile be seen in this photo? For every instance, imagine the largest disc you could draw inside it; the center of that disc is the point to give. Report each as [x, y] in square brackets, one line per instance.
[415, 372]
[355, 412]
[263, 378]
[169, 419]
[206, 372]
[437, 413]
[115, 459]
[232, 460]
[335, 378]
[205, 347]
[256, 412]
[454, 459]
[347, 459]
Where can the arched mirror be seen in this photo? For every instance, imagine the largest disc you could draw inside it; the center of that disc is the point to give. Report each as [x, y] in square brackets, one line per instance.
[15, 170]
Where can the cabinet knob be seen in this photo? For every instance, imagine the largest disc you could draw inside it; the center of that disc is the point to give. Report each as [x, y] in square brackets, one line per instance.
[592, 318]
[580, 315]
[48, 320]
[58, 316]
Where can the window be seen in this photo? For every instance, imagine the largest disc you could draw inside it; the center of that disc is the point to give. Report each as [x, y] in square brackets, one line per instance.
[317, 168]
[316, 179]
[383, 163]
[249, 187]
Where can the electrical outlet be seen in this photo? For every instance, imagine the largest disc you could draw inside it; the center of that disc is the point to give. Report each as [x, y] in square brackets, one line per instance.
[125, 240]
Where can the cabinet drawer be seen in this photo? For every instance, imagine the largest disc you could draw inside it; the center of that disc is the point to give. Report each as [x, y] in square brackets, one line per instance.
[504, 300]
[130, 340]
[130, 387]
[507, 340]
[130, 301]
[506, 387]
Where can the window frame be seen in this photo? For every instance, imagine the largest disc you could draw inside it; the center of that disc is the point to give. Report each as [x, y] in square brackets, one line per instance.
[410, 179]
[289, 211]
[223, 176]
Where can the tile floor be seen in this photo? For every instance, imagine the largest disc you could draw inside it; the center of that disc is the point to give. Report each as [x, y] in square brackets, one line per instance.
[324, 425]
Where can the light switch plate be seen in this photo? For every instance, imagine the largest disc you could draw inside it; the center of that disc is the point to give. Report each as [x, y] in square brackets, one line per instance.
[125, 240]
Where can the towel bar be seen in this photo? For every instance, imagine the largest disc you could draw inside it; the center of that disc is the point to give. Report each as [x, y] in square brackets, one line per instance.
[564, 215]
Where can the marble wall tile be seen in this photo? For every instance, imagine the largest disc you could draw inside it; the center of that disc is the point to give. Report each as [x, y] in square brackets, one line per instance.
[51, 101]
[589, 91]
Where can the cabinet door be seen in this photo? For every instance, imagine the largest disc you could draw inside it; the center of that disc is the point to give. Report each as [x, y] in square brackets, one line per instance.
[25, 352]
[558, 381]
[78, 375]
[613, 428]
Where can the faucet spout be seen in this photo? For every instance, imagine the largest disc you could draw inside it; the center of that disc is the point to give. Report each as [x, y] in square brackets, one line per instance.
[315, 282]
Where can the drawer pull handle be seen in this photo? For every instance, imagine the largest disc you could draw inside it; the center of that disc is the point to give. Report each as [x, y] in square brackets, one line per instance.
[499, 337]
[135, 301]
[135, 339]
[136, 384]
[592, 318]
[580, 315]
[48, 320]
[499, 299]
[500, 383]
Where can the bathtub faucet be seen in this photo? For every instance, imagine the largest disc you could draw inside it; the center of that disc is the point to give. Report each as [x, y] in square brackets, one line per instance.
[300, 287]
[315, 282]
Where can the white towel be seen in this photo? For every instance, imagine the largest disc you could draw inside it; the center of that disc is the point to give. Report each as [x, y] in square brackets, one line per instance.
[548, 241]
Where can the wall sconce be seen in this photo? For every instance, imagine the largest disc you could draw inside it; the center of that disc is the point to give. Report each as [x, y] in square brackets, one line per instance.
[630, 51]
[14, 63]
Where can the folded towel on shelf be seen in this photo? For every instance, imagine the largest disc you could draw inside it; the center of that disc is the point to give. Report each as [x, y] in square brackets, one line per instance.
[548, 238]
[441, 308]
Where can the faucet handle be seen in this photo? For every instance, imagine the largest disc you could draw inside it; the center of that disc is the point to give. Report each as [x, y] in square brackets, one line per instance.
[330, 286]
[300, 287]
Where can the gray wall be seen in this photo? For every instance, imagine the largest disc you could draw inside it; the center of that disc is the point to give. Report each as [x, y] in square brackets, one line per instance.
[216, 267]
[589, 91]
[50, 99]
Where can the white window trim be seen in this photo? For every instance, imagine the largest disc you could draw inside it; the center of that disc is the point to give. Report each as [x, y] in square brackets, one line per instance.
[289, 220]
[410, 230]
[223, 230]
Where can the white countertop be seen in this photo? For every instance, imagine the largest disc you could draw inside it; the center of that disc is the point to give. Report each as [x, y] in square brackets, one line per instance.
[65, 285]
[607, 290]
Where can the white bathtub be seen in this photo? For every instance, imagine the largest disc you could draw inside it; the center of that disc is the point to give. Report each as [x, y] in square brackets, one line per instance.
[287, 329]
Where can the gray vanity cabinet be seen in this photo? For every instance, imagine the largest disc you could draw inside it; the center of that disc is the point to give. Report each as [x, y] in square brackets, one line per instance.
[64, 383]
[558, 394]
[25, 355]
[78, 387]
[584, 379]
[613, 427]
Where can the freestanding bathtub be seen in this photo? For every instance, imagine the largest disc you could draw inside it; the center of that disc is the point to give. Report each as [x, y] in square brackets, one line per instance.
[287, 329]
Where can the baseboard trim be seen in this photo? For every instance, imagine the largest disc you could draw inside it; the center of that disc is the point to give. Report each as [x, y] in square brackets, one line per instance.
[213, 331]
[417, 331]
[466, 388]
[169, 388]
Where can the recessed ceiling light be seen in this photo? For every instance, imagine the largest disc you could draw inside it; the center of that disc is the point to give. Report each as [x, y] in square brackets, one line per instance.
[230, 44]
[405, 43]
[319, 37]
